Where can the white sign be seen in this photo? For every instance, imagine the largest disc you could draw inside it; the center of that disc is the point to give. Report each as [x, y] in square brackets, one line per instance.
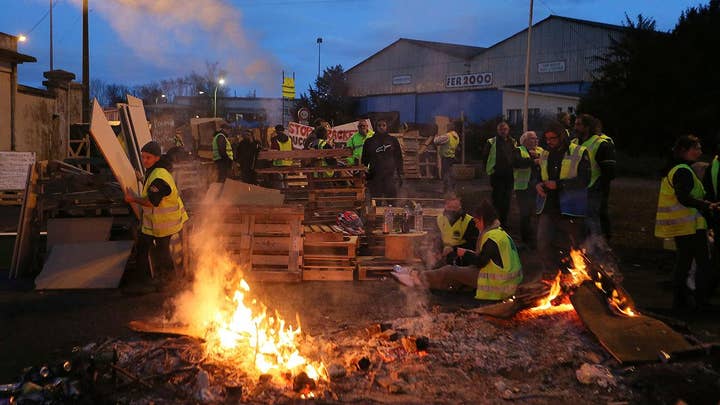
[550, 67]
[14, 168]
[469, 80]
[401, 79]
[338, 134]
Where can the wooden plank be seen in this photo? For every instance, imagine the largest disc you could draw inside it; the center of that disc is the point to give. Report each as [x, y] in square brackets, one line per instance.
[275, 276]
[23, 242]
[86, 265]
[627, 339]
[11, 197]
[271, 260]
[327, 275]
[310, 169]
[304, 154]
[164, 329]
[114, 154]
[262, 228]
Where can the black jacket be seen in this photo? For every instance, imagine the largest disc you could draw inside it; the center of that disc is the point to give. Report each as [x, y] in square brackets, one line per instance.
[383, 156]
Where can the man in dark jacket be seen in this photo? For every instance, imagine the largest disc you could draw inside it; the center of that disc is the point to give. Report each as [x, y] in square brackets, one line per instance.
[498, 165]
[246, 153]
[383, 157]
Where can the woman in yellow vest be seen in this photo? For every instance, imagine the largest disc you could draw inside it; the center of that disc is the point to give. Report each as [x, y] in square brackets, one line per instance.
[447, 146]
[495, 271]
[526, 173]
[456, 231]
[680, 210]
[163, 212]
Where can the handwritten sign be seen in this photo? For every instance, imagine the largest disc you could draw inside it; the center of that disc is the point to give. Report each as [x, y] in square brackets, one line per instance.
[338, 134]
[14, 169]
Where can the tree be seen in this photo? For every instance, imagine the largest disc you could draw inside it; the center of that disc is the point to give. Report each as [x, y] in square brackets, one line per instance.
[653, 86]
[330, 98]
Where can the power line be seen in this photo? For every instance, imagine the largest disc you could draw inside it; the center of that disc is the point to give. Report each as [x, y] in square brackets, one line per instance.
[43, 17]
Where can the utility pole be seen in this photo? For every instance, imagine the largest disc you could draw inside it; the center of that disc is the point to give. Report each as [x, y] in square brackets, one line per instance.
[319, 41]
[527, 70]
[51, 35]
[85, 65]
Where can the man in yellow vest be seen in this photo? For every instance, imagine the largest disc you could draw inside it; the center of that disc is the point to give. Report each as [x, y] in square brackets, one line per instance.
[712, 194]
[356, 142]
[498, 165]
[526, 173]
[447, 145]
[562, 197]
[455, 229]
[494, 269]
[163, 212]
[601, 151]
[222, 152]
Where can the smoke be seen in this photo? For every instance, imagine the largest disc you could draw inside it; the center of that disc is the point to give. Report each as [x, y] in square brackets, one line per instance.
[159, 31]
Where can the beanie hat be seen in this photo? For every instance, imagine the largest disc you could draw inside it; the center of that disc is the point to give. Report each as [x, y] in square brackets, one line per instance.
[152, 148]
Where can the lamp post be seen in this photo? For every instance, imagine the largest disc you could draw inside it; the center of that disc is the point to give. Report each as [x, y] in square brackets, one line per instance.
[319, 41]
[219, 83]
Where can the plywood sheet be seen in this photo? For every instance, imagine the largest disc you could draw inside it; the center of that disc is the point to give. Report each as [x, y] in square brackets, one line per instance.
[628, 339]
[236, 192]
[114, 154]
[139, 121]
[86, 265]
[133, 150]
[14, 169]
[163, 329]
[75, 230]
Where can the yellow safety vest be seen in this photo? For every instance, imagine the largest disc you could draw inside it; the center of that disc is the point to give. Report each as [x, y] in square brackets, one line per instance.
[284, 146]
[522, 176]
[572, 202]
[592, 144]
[449, 148]
[714, 170]
[672, 218]
[356, 143]
[167, 218]
[495, 282]
[492, 156]
[216, 151]
[452, 234]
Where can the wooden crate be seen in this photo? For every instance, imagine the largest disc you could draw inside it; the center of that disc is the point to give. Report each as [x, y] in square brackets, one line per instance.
[266, 241]
[329, 256]
[11, 197]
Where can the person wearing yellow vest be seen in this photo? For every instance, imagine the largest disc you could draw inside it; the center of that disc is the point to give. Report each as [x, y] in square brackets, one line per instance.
[282, 142]
[680, 210]
[356, 142]
[494, 269]
[712, 194]
[601, 150]
[163, 212]
[222, 152]
[447, 145]
[455, 229]
[562, 197]
[498, 165]
[526, 173]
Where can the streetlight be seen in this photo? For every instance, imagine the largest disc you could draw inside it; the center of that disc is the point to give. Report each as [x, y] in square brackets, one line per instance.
[319, 41]
[219, 83]
[22, 38]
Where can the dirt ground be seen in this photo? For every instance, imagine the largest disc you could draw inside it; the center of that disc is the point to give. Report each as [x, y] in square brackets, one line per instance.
[39, 327]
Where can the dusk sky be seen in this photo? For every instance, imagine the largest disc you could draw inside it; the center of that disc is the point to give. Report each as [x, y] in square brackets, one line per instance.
[139, 41]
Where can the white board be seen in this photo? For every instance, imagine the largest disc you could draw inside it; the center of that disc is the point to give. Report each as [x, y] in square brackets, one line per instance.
[85, 265]
[114, 154]
[75, 230]
[139, 121]
[14, 169]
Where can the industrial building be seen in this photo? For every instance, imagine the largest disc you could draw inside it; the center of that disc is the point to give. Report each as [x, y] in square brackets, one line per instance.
[422, 79]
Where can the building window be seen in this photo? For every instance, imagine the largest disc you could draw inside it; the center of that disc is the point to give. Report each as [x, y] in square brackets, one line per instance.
[514, 116]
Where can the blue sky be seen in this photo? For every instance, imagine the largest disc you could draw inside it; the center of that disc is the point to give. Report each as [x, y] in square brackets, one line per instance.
[138, 41]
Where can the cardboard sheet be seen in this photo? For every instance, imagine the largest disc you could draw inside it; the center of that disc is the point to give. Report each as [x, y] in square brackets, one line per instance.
[114, 154]
[76, 230]
[85, 265]
[234, 192]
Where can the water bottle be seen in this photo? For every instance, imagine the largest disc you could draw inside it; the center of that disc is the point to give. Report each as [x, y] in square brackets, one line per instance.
[405, 224]
[388, 220]
[418, 218]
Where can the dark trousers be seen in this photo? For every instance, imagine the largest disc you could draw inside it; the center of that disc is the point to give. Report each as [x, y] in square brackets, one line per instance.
[247, 174]
[447, 174]
[598, 219]
[502, 187]
[162, 252]
[556, 234]
[223, 168]
[382, 187]
[526, 207]
[689, 248]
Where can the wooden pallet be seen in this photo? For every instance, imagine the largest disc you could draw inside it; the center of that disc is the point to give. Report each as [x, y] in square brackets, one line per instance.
[11, 197]
[378, 267]
[329, 256]
[266, 241]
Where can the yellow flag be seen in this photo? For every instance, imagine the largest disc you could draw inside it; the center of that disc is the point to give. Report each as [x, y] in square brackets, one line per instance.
[288, 87]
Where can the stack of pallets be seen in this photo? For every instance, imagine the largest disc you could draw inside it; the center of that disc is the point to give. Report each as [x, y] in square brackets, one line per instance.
[329, 256]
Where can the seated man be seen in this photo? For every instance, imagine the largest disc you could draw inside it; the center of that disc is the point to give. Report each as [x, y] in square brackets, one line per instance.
[455, 230]
[495, 270]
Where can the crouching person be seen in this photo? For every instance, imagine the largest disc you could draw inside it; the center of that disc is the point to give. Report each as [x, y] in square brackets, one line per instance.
[494, 270]
[163, 212]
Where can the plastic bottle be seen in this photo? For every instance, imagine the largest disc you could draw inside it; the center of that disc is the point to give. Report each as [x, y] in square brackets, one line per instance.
[405, 224]
[418, 218]
[388, 220]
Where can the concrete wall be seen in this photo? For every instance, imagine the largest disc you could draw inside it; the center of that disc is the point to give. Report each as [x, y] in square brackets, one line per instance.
[5, 104]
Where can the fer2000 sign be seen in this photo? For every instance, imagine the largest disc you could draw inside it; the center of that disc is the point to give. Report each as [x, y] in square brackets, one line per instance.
[469, 80]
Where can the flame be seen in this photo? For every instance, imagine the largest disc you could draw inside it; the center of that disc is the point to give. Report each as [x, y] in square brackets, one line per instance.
[546, 302]
[245, 331]
[578, 271]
